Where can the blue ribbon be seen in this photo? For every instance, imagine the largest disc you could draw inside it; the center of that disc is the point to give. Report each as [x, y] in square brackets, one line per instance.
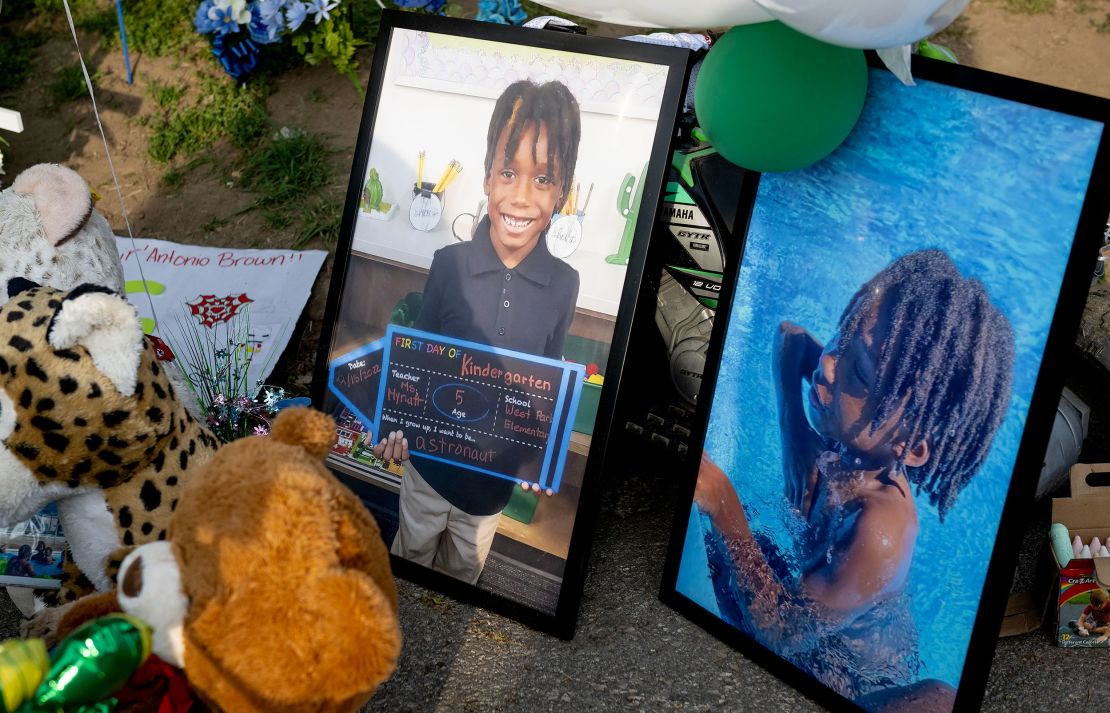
[237, 54]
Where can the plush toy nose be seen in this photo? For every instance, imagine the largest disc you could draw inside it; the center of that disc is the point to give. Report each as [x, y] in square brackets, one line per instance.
[132, 582]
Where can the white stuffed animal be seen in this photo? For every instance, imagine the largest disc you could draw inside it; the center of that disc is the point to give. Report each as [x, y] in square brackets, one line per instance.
[51, 234]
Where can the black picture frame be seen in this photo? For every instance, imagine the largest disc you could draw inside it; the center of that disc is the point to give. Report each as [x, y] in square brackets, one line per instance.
[972, 635]
[436, 47]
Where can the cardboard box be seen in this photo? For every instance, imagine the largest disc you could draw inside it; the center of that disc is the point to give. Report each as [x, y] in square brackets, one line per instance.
[1087, 514]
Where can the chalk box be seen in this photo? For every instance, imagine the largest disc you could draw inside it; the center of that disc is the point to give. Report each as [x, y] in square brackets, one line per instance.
[1087, 514]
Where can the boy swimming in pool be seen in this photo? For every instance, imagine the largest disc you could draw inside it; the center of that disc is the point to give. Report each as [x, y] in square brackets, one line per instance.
[906, 396]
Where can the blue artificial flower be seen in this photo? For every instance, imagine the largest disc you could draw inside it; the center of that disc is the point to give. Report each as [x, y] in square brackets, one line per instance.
[295, 15]
[321, 8]
[204, 24]
[268, 9]
[265, 30]
[229, 15]
[428, 5]
[502, 12]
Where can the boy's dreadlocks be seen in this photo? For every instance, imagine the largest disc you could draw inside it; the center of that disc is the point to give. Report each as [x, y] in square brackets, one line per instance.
[525, 104]
[948, 355]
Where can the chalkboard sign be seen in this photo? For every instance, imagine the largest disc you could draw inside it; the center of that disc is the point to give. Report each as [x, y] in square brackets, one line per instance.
[355, 379]
[492, 410]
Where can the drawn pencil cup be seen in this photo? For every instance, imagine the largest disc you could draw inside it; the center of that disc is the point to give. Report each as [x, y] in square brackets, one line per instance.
[564, 235]
[426, 208]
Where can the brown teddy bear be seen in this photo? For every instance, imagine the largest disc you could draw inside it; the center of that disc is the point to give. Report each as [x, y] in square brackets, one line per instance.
[274, 592]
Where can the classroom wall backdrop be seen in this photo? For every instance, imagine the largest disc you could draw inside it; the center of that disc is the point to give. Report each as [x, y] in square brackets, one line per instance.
[438, 96]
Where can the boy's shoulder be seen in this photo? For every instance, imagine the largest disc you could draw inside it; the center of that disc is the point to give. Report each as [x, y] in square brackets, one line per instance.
[451, 258]
[889, 514]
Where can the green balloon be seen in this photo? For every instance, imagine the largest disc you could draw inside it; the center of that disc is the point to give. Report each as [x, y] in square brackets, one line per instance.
[773, 99]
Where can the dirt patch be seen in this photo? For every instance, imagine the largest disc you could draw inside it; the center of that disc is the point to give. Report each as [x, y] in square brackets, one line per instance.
[1067, 45]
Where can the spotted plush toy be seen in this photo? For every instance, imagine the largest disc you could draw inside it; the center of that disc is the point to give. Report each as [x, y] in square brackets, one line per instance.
[88, 419]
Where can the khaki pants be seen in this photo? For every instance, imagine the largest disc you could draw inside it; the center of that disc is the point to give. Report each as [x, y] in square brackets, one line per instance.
[437, 535]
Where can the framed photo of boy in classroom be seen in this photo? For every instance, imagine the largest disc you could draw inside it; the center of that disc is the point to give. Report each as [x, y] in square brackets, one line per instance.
[882, 387]
[494, 238]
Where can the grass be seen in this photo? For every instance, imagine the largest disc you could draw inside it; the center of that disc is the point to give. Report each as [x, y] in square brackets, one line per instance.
[17, 54]
[69, 84]
[154, 27]
[277, 219]
[174, 177]
[166, 95]
[321, 220]
[221, 110]
[288, 169]
[214, 225]
[1102, 27]
[1029, 7]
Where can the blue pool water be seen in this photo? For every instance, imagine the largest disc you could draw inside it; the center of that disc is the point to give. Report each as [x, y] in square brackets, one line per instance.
[998, 186]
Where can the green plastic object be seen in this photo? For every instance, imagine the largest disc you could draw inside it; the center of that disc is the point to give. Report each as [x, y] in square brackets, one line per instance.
[935, 51]
[522, 505]
[586, 415]
[407, 310]
[372, 193]
[772, 99]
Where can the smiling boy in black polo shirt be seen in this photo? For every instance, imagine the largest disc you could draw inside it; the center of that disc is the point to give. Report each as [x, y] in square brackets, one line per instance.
[502, 288]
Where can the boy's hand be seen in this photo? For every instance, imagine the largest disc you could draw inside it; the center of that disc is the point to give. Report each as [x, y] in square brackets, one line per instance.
[715, 496]
[797, 351]
[535, 488]
[796, 355]
[393, 448]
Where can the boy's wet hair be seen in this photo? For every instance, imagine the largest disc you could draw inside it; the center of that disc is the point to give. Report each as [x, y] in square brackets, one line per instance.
[949, 354]
[525, 104]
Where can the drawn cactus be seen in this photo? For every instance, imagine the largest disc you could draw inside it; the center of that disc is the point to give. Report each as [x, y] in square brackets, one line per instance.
[628, 203]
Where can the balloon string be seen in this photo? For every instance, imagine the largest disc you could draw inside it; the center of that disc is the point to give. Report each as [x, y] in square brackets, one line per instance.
[108, 155]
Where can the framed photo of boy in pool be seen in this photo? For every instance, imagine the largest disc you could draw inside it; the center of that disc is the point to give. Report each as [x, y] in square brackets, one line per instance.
[492, 246]
[882, 387]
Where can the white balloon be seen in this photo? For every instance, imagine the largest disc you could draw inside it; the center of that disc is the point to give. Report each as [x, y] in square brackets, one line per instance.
[866, 24]
[697, 14]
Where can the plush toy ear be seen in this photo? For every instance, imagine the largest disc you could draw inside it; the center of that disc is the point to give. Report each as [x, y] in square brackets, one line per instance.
[61, 197]
[149, 588]
[18, 285]
[107, 326]
[308, 428]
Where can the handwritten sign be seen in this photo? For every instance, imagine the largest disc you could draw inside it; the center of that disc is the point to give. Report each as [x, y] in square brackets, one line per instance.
[162, 280]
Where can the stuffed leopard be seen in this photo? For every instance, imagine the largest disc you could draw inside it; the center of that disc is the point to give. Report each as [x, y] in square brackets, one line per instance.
[88, 419]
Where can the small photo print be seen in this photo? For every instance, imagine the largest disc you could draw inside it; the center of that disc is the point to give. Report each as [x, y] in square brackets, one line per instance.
[32, 552]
